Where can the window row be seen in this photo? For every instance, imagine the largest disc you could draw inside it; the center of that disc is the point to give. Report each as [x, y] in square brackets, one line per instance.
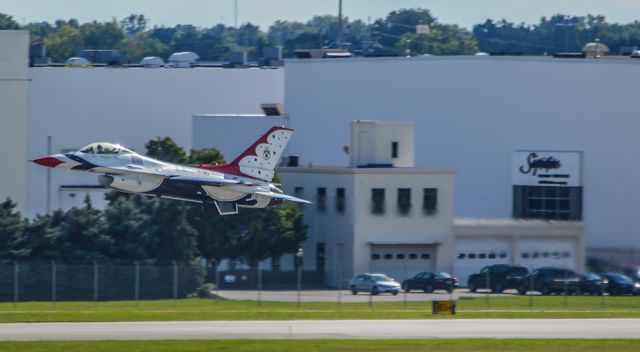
[411, 256]
[555, 255]
[378, 200]
[491, 255]
[403, 202]
[547, 202]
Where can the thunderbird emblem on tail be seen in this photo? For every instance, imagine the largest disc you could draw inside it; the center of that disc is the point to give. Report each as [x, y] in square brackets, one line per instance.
[244, 182]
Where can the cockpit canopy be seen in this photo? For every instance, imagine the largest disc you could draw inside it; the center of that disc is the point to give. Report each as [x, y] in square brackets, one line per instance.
[104, 148]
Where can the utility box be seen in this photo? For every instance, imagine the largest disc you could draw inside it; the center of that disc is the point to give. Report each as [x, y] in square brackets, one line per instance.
[381, 144]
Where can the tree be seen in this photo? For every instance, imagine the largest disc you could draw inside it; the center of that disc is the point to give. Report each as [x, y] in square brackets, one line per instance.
[206, 156]
[96, 35]
[169, 235]
[441, 40]
[7, 22]
[141, 44]
[165, 149]
[389, 30]
[80, 237]
[64, 43]
[11, 230]
[125, 222]
[134, 24]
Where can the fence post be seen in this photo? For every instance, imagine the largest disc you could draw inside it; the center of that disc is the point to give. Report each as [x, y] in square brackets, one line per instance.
[299, 283]
[259, 286]
[175, 283]
[404, 274]
[53, 283]
[217, 274]
[137, 282]
[488, 303]
[95, 283]
[530, 288]
[566, 287]
[16, 283]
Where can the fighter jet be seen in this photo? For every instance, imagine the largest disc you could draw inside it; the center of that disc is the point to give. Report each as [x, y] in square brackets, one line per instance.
[244, 182]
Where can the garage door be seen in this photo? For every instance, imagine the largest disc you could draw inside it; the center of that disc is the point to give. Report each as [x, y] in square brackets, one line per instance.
[545, 252]
[471, 255]
[402, 261]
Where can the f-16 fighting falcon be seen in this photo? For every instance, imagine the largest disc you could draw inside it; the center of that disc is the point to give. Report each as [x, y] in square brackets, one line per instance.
[244, 182]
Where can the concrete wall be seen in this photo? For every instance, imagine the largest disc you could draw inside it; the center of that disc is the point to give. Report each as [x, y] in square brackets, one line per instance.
[14, 91]
[471, 113]
[77, 106]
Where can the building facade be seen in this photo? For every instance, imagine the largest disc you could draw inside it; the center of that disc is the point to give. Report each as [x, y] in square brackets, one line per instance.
[484, 116]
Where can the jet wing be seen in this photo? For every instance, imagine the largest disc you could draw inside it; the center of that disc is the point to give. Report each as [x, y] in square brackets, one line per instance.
[283, 196]
[202, 181]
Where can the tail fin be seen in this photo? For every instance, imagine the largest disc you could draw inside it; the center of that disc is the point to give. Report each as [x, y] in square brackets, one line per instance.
[259, 160]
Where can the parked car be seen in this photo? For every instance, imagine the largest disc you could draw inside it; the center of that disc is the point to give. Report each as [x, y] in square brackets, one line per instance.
[633, 272]
[374, 284]
[497, 277]
[621, 285]
[429, 282]
[592, 284]
[550, 280]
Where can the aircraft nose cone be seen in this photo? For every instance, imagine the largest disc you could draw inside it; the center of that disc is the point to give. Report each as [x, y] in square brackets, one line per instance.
[48, 161]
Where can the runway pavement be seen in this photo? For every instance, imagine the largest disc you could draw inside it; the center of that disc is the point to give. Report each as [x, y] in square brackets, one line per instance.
[325, 329]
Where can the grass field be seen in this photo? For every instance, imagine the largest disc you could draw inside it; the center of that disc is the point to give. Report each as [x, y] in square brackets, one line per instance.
[201, 309]
[441, 345]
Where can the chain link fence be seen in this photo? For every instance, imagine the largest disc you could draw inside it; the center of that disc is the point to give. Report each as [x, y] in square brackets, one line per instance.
[56, 282]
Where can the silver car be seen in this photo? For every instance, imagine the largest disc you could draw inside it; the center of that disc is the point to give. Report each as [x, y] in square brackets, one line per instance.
[374, 284]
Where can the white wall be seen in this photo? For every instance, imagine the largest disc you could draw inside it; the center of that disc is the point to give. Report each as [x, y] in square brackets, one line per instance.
[471, 113]
[77, 106]
[14, 88]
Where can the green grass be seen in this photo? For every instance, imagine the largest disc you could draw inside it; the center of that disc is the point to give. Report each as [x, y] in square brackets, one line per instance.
[441, 345]
[200, 309]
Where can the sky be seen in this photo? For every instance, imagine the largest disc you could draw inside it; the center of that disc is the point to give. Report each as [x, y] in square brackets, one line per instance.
[206, 13]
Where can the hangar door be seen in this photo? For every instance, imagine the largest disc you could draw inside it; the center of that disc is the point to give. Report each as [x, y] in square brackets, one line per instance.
[547, 252]
[402, 261]
[472, 254]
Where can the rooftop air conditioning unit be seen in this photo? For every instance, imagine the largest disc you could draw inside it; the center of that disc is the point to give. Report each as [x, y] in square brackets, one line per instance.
[77, 62]
[152, 62]
[183, 59]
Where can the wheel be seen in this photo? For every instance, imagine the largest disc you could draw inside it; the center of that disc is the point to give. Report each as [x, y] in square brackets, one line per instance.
[354, 291]
[394, 293]
[374, 290]
[449, 290]
[545, 291]
[522, 289]
[472, 287]
[497, 288]
[406, 288]
[428, 289]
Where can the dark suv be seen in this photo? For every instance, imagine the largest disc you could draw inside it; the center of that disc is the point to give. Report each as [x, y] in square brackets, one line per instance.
[549, 280]
[498, 277]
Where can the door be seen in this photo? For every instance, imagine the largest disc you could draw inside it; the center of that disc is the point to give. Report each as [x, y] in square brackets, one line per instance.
[472, 254]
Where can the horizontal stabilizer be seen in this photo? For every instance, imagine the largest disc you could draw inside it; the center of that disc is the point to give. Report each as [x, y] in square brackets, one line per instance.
[283, 196]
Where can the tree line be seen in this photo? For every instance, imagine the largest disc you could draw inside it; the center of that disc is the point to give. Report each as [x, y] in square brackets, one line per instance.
[396, 31]
[151, 230]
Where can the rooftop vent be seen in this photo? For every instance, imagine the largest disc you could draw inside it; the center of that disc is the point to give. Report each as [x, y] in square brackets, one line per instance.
[183, 59]
[238, 58]
[152, 62]
[107, 56]
[77, 62]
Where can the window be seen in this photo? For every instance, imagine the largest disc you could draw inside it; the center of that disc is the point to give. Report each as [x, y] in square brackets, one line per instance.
[394, 150]
[472, 256]
[430, 201]
[503, 255]
[425, 256]
[482, 256]
[413, 256]
[340, 200]
[404, 201]
[547, 202]
[377, 201]
[461, 256]
[320, 256]
[375, 256]
[400, 256]
[322, 199]
[298, 192]
[492, 256]
[525, 255]
[388, 256]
